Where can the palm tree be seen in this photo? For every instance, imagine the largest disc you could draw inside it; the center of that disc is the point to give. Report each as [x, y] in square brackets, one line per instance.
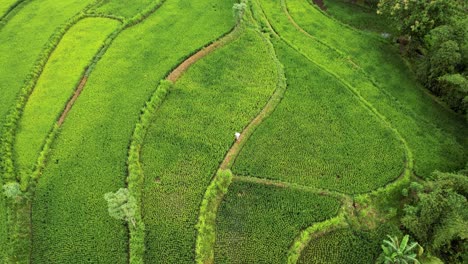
[395, 252]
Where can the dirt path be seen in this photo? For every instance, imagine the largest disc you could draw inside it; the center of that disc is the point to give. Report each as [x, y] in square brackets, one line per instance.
[185, 65]
[72, 101]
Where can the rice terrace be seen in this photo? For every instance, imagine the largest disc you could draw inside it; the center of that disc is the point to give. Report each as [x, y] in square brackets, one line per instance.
[233, 131]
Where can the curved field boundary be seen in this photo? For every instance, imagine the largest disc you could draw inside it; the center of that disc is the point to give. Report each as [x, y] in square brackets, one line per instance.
[13, 8]
[222, 179]
[13, 118]
[364, 72]
[408, 168]
[369, 34]
[324, 227]
[175, 74]
[22, 236]
[314, 231]
[41, 161]
[136, 176]
[47, 145]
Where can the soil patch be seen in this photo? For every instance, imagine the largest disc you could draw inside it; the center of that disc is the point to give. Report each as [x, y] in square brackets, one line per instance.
[320, 4]
[72, 101]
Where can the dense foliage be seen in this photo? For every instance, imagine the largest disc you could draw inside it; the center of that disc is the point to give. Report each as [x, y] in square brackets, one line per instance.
[438, 31]
[437, 215]
[396, 251]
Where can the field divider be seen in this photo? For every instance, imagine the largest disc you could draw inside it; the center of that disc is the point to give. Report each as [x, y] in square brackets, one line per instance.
[135, 179]
[409, 163]
[295, 186]
[349, 59]
[222, 179]
[13, 8]
[7, 140]
[19, 230]
[314, 231]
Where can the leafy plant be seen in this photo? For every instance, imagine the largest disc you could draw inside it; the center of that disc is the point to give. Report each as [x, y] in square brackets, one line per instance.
[396, 252]
[121, 205]
[13, 191]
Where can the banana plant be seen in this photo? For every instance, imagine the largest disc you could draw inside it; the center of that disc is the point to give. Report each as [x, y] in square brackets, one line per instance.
[399, 253]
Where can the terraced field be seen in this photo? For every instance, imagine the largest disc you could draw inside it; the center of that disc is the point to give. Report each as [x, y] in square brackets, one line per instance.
[260, 131]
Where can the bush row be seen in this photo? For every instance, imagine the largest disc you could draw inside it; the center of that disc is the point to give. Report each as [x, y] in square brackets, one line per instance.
[307, 235]
[135, 177]
[11, 123]
[207, 218]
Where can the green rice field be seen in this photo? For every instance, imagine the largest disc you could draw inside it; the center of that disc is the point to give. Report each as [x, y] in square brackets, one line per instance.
[250, 131]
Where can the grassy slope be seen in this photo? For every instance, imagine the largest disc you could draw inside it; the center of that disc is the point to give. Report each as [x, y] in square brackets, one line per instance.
[122, 8]
[320, 135]
[257, 223]
[386, 66]
[190, 135]
[23, 38]
[432, 146]
[70, 219]
[56, 85]
[347, 246]
[5, 6]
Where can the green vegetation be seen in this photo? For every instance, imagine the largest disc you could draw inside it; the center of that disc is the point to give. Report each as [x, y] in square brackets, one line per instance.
[435, 34]
[94, 163]
[397, 98]
[395, 251]
[135, 178]
[359, 16]
[6, 6]
[347, 246]
[58, 81]
[3, 227]
[208, 211]
[180, 158]
[121, 8]
[26, 34]
[257, 223]
[333, 144]
[236, 131]
[436, 214]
